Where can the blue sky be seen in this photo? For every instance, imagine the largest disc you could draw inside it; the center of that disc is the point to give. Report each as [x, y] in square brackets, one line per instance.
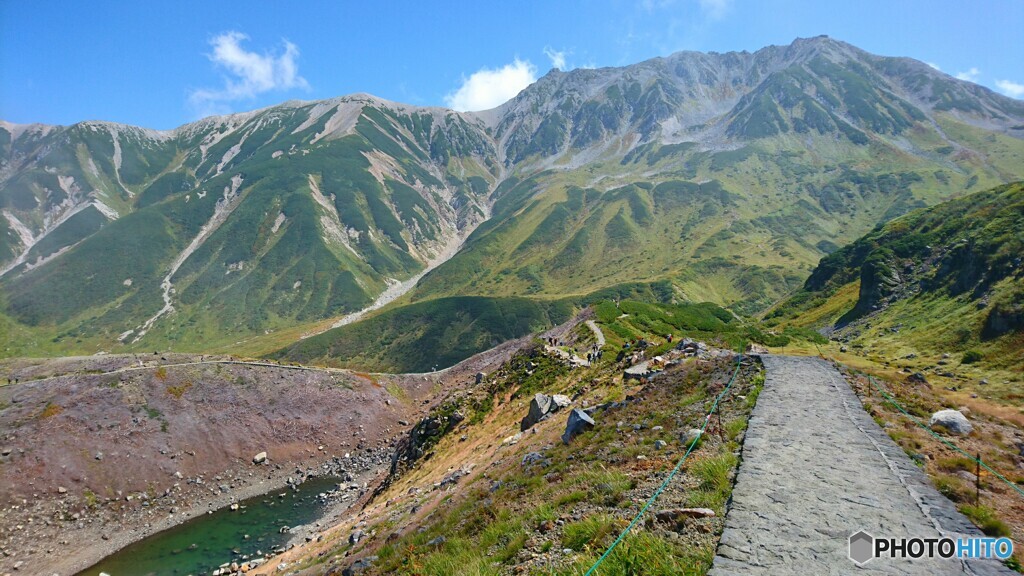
[162, 64]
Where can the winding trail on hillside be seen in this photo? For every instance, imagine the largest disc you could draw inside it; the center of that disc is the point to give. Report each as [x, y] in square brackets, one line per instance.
[816, 468]
[597, 332]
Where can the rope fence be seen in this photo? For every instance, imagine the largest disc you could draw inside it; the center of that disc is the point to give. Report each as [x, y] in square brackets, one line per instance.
[915, 420]
[672, 474]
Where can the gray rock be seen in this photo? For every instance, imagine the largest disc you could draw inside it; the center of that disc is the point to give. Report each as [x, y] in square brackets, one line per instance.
[678, 514]
[259, 458]
[513, 439]
[559, 401]
[953, 421]
[355, 537]
[540, 406]
[659, 444]
[690, 435]
[532, 458]
[578, 422]
[437, 541]
[358, 566]
[917, 378]
[967, 476]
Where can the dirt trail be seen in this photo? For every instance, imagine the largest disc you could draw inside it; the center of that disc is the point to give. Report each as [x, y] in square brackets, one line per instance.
[597, 332]
[816, 468]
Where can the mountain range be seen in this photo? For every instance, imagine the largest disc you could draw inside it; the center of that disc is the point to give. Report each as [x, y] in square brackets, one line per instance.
[700, 177]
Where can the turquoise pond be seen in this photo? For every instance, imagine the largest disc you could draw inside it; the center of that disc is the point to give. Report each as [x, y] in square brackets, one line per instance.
[202, 544]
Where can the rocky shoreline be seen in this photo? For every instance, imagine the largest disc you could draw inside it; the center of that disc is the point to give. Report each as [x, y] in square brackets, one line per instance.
[74, 548]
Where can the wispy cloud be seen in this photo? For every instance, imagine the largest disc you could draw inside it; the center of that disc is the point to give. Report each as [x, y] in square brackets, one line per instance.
[247, 74]
[934, 65]
[557, 57]
[1010, 88]
[487, 88]
[971, 75]
[715, 9]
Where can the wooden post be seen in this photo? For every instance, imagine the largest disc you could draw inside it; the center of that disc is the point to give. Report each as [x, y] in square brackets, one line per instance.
[977, 480]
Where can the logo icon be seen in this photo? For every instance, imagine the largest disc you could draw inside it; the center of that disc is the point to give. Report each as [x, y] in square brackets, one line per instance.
[861, 547]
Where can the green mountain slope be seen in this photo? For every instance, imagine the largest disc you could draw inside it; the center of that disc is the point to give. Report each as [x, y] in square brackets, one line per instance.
[239, 225]
[723, 177]
[946, 280]
[727, 175]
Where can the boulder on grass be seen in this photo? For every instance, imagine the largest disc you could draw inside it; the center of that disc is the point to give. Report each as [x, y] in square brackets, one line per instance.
[953, 421]
[540, 406]
[578, 422]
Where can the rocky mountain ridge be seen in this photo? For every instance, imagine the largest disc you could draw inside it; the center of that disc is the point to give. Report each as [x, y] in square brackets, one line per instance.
[264, 221]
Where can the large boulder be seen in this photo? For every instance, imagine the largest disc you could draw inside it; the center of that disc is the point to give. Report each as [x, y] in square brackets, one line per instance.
[578, 422]
[953, 421]
[259, 458]
[540, 406]
[559, 401]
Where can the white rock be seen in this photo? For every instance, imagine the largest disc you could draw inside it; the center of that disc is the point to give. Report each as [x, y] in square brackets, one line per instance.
[953, 421]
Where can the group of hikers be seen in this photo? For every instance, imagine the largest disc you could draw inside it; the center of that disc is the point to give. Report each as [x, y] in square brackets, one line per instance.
[634, 349]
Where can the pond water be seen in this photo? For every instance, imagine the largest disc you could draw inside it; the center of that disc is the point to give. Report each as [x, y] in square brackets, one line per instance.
[202, 544]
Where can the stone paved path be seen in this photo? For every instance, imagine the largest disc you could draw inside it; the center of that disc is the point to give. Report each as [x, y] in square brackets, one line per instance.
[816, 468]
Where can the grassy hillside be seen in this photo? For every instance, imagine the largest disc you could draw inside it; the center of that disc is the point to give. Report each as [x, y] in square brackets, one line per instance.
[463, 501]
[428, 335]
[433, 334]
[741, 228]
[947, 280]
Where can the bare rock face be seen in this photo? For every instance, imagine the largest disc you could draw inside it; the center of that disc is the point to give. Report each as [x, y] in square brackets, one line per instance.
[953, 421]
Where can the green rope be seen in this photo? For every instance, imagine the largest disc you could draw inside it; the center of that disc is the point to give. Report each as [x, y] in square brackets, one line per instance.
[671, 475]
[892, 401]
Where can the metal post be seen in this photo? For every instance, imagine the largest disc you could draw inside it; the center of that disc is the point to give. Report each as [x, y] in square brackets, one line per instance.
[977, 480]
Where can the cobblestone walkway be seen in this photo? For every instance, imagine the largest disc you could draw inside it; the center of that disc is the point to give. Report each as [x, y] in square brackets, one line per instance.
[816, 468]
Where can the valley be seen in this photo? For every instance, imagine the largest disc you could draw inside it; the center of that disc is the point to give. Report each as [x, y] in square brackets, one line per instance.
[663, 173]
[779, 266]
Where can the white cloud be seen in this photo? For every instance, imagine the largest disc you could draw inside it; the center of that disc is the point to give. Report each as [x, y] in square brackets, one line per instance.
[557, 57]
[970, 76]
[248, 74]
[1010, 88]
[487, 88]
[934, 65]
[715, 9]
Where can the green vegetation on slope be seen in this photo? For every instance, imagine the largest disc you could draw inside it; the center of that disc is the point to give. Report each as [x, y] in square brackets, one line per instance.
[461, 503]
[438, 333]
[940, 280]
[428, 335]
